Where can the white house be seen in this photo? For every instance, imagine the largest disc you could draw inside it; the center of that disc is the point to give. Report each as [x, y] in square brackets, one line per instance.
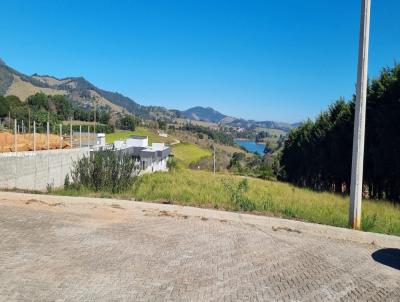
[137, 141]
[152, 158]
[162, 133]
[101, 139]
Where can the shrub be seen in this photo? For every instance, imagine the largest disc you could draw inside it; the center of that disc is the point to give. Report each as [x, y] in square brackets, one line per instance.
[67, 182]
[237, 195]
[368, 222]
[172, 164]
[288, 212]
[105, 171]
[50, 188]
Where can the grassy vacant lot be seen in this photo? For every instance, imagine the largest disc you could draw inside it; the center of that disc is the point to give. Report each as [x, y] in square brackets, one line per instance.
[187, 153]
[203, 189]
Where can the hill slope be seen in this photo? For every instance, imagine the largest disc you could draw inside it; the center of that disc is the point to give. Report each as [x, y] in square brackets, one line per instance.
[88, 95]
[203, 114]
[209, 114]
[78, 89]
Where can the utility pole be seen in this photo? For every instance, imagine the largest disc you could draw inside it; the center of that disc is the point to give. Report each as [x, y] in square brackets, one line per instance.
[29, 120]
[356, 187]
[70, 133]
[48, 135]
[80, 136]
[214, 157]
[15, 135]
[61, 137]
[34, 135]
[95, 110]
[88, 136]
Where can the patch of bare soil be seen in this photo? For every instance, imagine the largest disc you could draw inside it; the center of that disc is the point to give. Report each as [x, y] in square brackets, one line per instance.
[163, 213]
[117, 206]
[25, 142]
[50, 204]
[287, 229]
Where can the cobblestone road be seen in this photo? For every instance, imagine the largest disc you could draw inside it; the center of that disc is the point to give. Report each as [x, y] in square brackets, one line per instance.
[95, 252]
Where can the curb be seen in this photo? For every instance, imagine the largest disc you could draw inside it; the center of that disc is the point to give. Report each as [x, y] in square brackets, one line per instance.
[381, 240]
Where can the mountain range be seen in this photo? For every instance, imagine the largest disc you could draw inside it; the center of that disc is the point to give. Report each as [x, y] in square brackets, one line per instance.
[87, 95]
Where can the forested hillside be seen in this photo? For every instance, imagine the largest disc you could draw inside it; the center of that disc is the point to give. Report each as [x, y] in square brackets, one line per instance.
[318, 153]
[55, 109]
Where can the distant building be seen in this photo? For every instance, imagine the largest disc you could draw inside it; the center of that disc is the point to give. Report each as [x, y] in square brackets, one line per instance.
[162, 133]
[239, 129]
[151, 158]
[95, 141]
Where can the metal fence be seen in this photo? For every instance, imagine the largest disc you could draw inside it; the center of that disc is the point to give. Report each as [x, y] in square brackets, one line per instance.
[17, 136]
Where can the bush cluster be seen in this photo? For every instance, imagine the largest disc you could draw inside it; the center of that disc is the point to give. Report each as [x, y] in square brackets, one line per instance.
[107, 170]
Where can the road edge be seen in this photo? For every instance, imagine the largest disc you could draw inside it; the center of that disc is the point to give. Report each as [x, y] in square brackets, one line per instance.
[380, 240]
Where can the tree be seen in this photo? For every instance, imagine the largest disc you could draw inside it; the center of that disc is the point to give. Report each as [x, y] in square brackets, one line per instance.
[4, 107]
[127, 122]
[318, 153]
[38, 101]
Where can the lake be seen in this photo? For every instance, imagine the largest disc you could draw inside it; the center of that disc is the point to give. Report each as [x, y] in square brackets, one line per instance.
[251, 146]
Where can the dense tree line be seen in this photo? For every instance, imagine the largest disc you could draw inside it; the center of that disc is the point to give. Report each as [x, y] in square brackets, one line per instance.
[318, 153]
[216, 135]
[42, 108]
[260, 136]
[263, 167]
[101, 116]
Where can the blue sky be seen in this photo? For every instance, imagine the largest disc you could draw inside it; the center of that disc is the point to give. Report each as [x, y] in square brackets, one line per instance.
[265, 60]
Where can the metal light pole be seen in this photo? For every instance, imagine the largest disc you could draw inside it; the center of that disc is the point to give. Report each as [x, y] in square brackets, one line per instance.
[356, 187]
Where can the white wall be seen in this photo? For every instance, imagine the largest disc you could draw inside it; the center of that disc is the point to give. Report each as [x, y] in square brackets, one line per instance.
[119, 144]
[154, 166]
[157, 146]
[35, 170]
[137, 142]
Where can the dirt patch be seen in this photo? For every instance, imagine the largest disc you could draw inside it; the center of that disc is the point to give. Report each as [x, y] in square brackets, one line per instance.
[50, 204]
[170, 214]
[164, 213]
[29, 201]
[275, 229]
[25, 142]
[117, 206]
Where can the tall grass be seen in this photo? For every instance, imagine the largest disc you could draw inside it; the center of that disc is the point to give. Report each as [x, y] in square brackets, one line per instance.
[199, 188]
[223, 191]
[187, 153]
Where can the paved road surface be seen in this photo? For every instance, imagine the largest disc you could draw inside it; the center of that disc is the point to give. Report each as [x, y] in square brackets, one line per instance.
[91, 251]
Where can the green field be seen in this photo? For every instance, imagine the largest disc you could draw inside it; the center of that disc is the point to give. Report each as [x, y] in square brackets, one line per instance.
[199, 188]
[187, 153]
[204, 189]
[271, 131]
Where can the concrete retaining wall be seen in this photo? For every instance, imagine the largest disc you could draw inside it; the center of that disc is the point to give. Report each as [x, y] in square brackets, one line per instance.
[37, 170]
